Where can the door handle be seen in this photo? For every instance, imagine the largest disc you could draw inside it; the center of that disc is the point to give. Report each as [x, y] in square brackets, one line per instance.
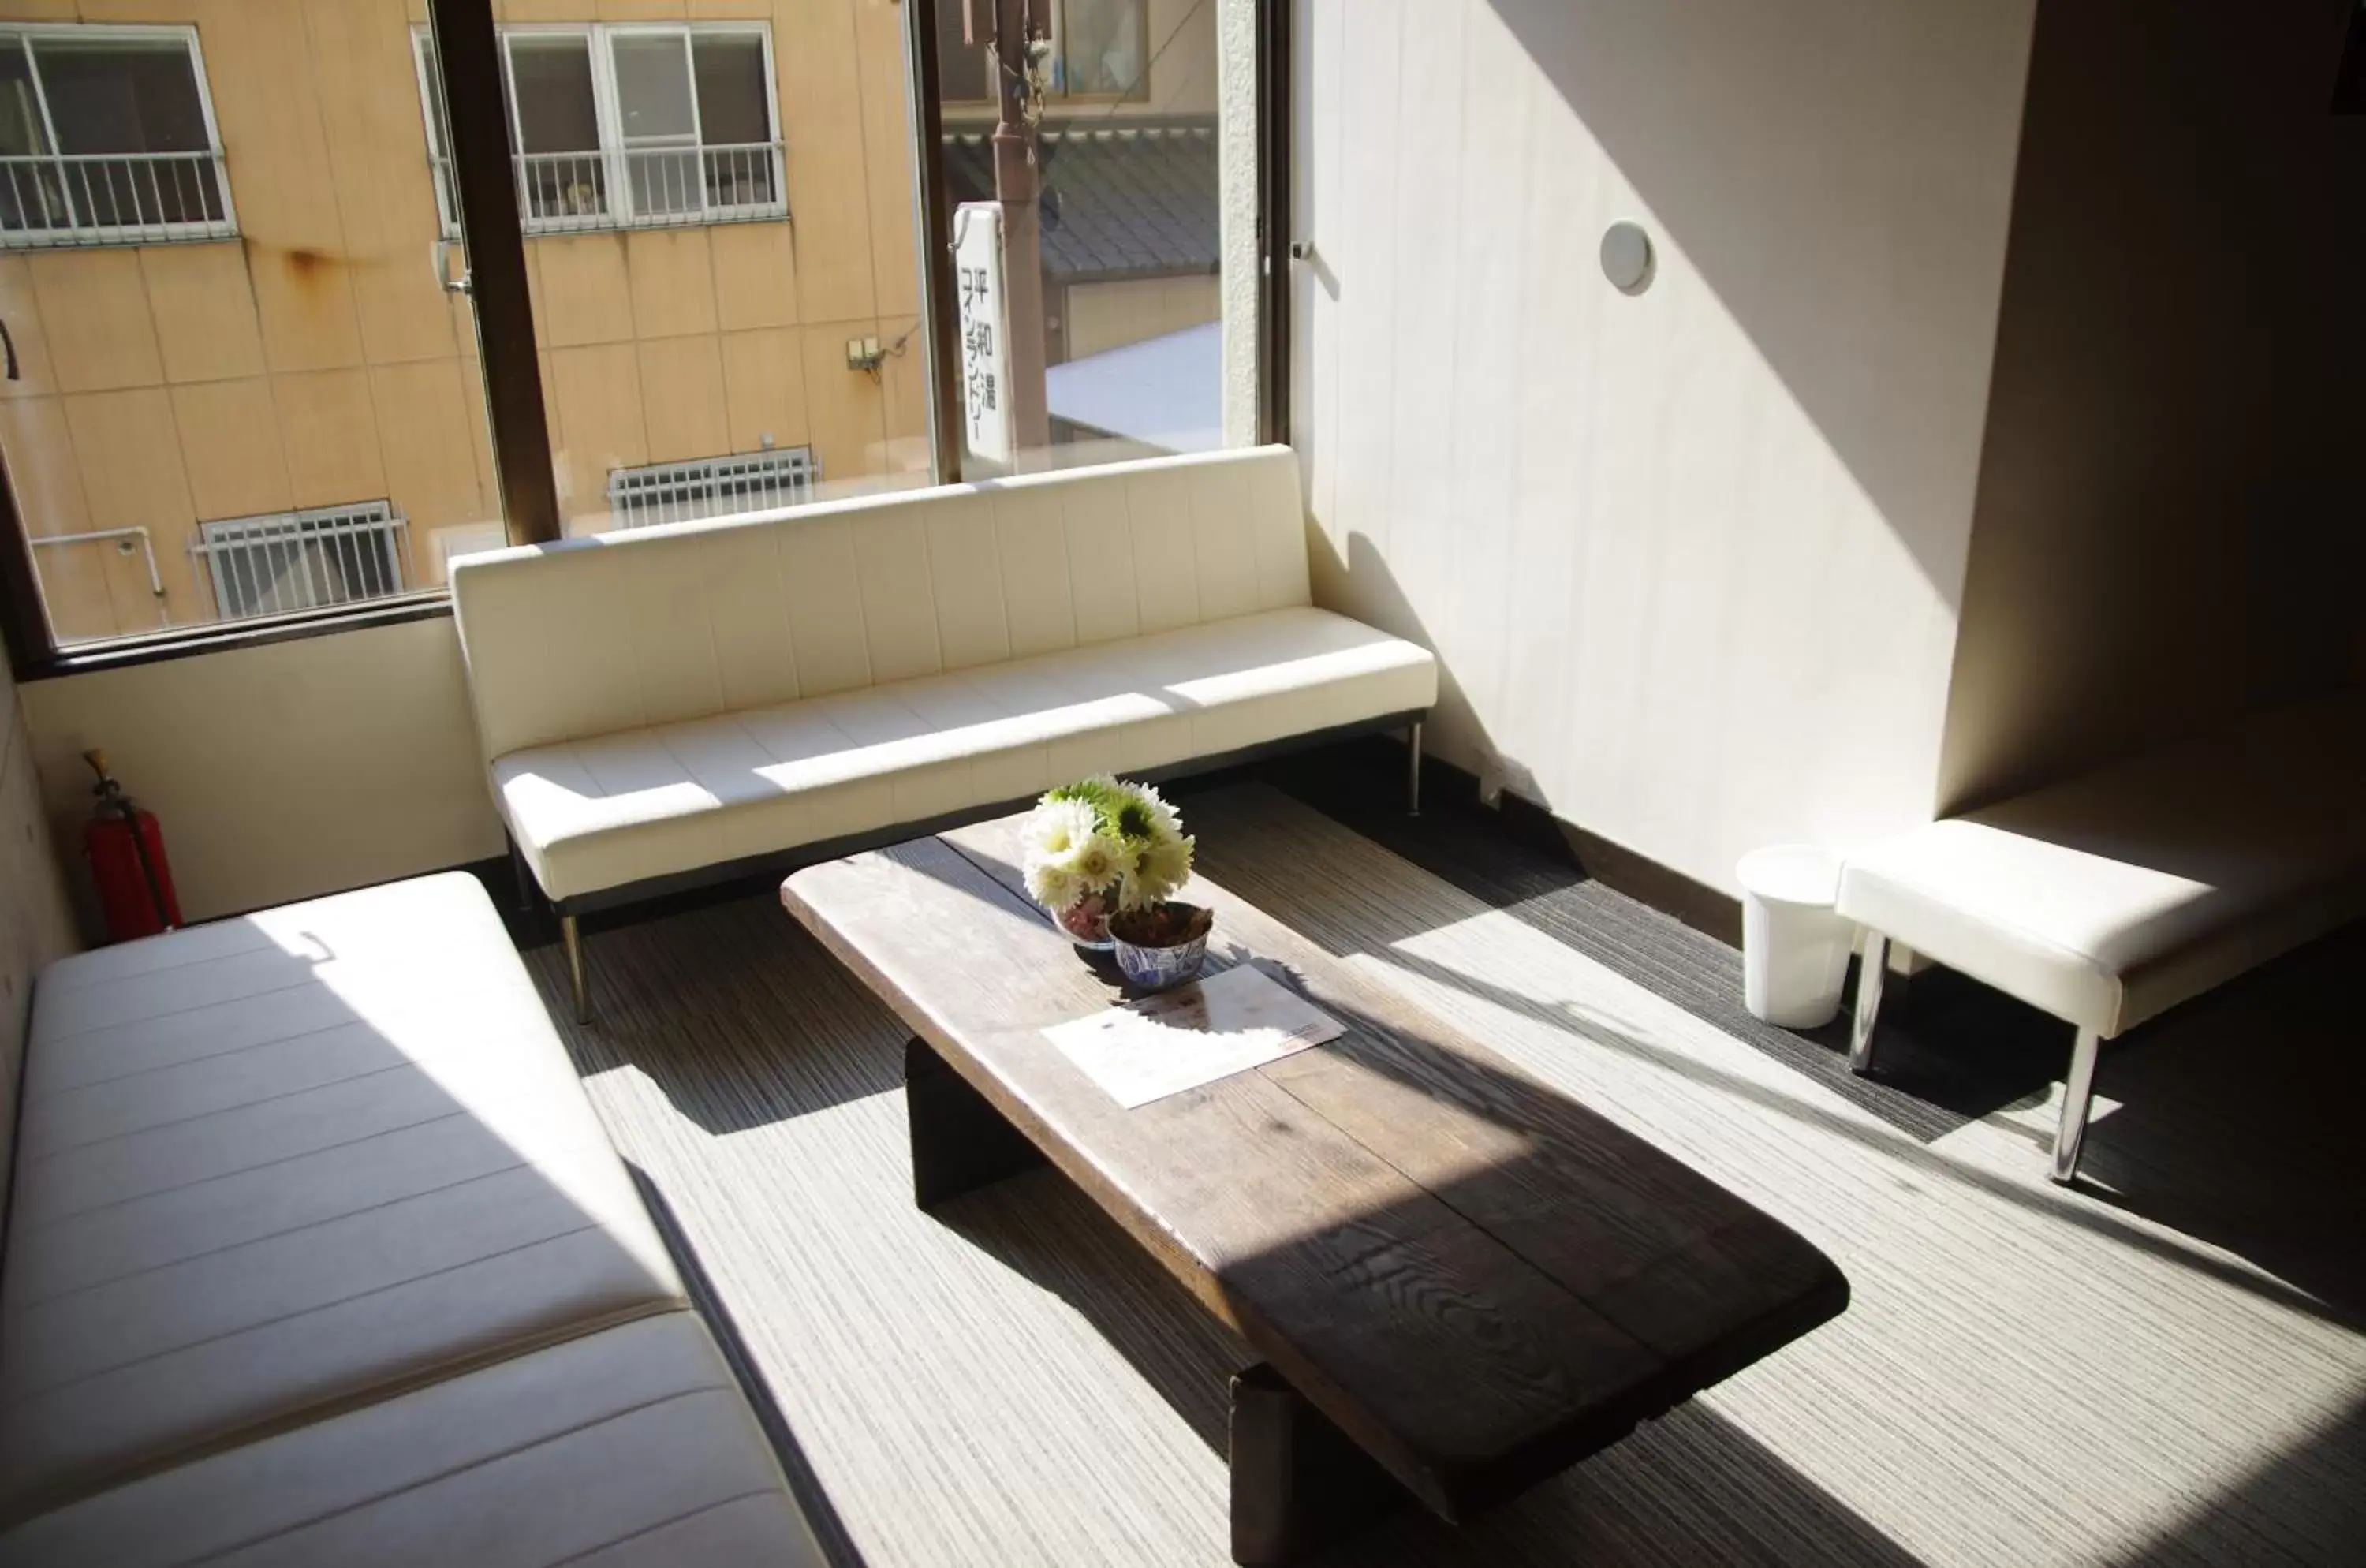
[441, 260]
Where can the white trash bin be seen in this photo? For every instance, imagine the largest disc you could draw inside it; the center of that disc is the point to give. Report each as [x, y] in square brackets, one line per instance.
[1795, 950]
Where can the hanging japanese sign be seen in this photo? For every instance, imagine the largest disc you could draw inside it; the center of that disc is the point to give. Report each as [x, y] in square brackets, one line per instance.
[985, 332]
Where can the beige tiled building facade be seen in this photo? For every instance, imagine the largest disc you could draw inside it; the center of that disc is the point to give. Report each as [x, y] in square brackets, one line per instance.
[311, 361]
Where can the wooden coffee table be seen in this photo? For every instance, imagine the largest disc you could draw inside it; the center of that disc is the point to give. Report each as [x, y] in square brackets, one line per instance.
[1461, 1282]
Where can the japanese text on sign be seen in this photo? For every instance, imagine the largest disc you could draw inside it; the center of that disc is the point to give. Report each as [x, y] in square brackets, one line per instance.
[985, 332]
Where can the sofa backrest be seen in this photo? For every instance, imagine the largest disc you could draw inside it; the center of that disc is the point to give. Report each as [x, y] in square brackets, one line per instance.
[591, 635]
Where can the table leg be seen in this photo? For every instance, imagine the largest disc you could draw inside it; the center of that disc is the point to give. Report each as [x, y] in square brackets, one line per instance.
[960, 1142]
[1298, 1484]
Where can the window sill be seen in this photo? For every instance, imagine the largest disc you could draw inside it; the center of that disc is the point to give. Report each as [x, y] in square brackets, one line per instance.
[1055, 104]
[603, 223]
[600, 223]
[226, 636]
[21, 240]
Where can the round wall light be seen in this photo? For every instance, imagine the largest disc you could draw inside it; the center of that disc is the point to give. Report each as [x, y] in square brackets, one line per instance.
[1626, 258]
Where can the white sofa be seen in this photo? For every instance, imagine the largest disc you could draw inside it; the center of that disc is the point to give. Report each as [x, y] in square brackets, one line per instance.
[675, 703]
[2111, 897]
[318, 1253]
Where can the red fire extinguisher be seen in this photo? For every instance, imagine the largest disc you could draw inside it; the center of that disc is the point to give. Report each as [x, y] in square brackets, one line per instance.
[127, 856]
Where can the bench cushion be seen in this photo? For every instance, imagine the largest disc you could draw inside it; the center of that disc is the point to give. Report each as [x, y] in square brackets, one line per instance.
[652, 626]
[2114, 895]
[631, 1445]
[275, 1166]
[648, 802]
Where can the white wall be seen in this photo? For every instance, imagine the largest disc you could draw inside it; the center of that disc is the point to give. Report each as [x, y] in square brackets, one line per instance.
[1691, 559]
[2169, 509]
[285, 770]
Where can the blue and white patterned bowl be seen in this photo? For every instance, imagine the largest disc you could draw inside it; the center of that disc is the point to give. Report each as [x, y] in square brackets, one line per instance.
[1160, 968]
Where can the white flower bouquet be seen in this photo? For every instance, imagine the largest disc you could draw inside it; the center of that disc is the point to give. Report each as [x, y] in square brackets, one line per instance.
[1101, 847]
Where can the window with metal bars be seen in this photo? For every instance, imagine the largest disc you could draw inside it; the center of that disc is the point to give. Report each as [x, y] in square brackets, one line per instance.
[302, 561]
[711, 487]
[108, 137]
[628, 126]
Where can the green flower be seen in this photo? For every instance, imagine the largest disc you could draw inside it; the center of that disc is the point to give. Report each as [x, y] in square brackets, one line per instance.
[1148, 852]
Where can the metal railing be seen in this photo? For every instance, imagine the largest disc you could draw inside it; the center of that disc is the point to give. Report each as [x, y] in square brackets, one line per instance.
[639, 187]
[711, 487]
[114, 198]
[302, 561]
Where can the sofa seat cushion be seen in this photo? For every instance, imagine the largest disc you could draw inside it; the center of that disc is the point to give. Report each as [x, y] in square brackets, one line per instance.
[631, 1445]
[2114, 895]
[644, 803]
[273, 1166]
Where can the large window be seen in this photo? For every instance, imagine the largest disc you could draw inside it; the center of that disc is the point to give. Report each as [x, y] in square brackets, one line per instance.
[106, 137]
[631, 126]
[1089, 279]
[682, 287]
[211, 416]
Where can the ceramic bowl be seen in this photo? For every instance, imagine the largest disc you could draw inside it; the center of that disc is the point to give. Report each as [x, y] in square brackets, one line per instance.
[1160, 968]
[1086, 923]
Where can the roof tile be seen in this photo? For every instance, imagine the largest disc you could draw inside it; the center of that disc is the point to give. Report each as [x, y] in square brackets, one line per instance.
[1118, 200]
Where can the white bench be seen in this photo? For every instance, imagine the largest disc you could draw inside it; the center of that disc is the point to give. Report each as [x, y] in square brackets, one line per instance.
[318, 1253]
[2111, 897]
[678, 704]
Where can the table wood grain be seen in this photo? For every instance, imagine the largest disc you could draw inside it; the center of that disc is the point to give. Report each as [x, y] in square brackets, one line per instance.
[1478, 1280]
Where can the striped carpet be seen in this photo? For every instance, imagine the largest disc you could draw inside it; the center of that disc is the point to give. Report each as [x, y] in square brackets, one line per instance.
[2167, 1367]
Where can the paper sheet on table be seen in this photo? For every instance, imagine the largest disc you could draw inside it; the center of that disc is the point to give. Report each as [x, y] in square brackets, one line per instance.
[1227, 1023]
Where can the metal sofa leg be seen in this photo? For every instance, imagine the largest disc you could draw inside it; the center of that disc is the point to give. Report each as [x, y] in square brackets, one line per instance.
[1412, 768]
[574, 940]
[2077, 1093]
[1871, 969]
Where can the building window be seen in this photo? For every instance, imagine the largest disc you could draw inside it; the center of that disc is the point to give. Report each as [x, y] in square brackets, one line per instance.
[960, 64]
[107, 138]
[301, 560]
[630, 126]
[1098, 50]
[711, 487]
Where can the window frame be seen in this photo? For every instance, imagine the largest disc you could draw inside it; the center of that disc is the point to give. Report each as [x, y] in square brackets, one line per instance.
[613, 155]
[434, 118]
[93, 236]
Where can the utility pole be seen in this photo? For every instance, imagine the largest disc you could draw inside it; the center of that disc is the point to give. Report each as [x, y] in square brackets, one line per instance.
[1017, 23]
